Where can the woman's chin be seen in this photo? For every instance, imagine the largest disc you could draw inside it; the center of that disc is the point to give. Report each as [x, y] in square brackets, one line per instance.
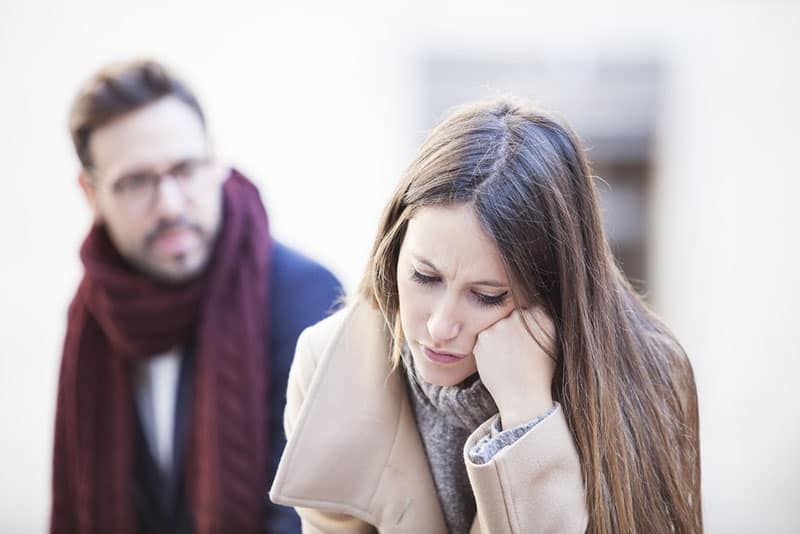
[444, 375]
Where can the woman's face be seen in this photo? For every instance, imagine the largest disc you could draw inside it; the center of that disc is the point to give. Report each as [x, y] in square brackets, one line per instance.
[451, 285]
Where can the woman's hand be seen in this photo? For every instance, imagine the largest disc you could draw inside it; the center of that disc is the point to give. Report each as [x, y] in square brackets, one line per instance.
[514, 368]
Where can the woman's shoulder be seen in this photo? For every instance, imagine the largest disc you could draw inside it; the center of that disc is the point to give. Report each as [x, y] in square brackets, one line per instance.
[341, 351]
[357, 321]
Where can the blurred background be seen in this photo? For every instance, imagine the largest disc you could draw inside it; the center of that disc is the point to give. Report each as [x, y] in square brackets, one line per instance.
[690, 112]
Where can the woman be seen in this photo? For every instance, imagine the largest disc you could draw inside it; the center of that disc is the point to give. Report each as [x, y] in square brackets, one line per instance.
[497, 373]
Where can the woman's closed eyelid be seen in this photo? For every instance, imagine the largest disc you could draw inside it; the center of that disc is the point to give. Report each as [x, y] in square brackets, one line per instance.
[423, 278]
[491, 300]
[482, 298]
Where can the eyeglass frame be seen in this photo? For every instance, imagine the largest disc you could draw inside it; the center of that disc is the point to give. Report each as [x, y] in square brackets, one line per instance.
[153, 181]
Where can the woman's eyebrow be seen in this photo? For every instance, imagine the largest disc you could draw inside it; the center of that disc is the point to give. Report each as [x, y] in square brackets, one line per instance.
[425, 262]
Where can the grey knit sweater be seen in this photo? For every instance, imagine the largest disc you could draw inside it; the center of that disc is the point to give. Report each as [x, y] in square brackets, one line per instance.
[445, 417]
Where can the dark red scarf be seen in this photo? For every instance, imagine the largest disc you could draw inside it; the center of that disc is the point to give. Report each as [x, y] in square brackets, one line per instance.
[119, 317]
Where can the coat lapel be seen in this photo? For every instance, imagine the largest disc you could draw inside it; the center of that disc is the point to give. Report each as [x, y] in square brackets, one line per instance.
[355, 448]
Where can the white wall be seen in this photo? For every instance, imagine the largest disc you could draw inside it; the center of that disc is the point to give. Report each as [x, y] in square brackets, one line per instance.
[320, 105]
[726, 256]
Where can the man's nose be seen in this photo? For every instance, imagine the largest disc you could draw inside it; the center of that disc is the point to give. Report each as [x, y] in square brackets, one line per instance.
[170, 199]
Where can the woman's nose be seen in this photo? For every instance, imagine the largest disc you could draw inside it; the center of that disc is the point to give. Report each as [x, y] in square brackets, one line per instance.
[443, 323]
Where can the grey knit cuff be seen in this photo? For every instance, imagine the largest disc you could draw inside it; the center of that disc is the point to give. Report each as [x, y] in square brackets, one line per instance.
[488, 446]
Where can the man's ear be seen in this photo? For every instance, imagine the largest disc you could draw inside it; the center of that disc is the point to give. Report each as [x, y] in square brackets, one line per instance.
[89, 192]
[218, 168]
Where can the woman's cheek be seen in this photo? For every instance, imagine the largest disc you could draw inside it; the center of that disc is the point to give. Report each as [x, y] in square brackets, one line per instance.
[491, 315]
[413, 302]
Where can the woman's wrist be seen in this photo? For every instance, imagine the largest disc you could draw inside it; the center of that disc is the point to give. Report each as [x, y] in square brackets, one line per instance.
[521, 412]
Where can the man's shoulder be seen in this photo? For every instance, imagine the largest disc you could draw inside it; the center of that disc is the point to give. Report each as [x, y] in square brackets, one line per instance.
[289, 263]
[292, 271]
[303, 291]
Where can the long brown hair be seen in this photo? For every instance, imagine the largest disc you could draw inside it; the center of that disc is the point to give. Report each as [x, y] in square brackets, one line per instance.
[624, 382]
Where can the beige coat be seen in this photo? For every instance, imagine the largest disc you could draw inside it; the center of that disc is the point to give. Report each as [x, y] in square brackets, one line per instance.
[354, 461]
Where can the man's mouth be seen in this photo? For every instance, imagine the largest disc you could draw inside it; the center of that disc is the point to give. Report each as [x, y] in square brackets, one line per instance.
[174, 240]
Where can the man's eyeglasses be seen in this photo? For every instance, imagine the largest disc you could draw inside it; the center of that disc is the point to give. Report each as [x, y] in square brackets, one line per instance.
[137, 191]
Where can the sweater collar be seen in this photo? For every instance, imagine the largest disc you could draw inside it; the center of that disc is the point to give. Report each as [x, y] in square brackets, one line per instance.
[465, 405]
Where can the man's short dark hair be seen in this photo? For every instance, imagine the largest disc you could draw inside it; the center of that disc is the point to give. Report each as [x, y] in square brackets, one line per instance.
[119, 89]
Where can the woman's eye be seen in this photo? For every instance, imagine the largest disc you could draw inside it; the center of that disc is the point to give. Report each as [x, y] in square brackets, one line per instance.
[423, 279]
[491, 300]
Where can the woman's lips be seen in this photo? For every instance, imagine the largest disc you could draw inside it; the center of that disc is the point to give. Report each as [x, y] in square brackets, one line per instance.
[442, 357]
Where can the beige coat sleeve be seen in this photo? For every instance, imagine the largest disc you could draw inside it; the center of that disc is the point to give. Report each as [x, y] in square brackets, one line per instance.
[302, 371]
[533, 485]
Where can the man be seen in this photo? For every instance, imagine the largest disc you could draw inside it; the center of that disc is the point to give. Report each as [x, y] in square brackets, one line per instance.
[181, 333]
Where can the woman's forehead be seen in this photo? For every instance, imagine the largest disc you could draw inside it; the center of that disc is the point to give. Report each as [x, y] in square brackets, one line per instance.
[452, 240]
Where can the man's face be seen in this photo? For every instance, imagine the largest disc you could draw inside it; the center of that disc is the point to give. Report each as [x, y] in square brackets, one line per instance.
[155, 187]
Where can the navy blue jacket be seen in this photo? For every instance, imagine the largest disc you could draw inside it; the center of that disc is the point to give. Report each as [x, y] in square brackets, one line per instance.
[302, 293]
